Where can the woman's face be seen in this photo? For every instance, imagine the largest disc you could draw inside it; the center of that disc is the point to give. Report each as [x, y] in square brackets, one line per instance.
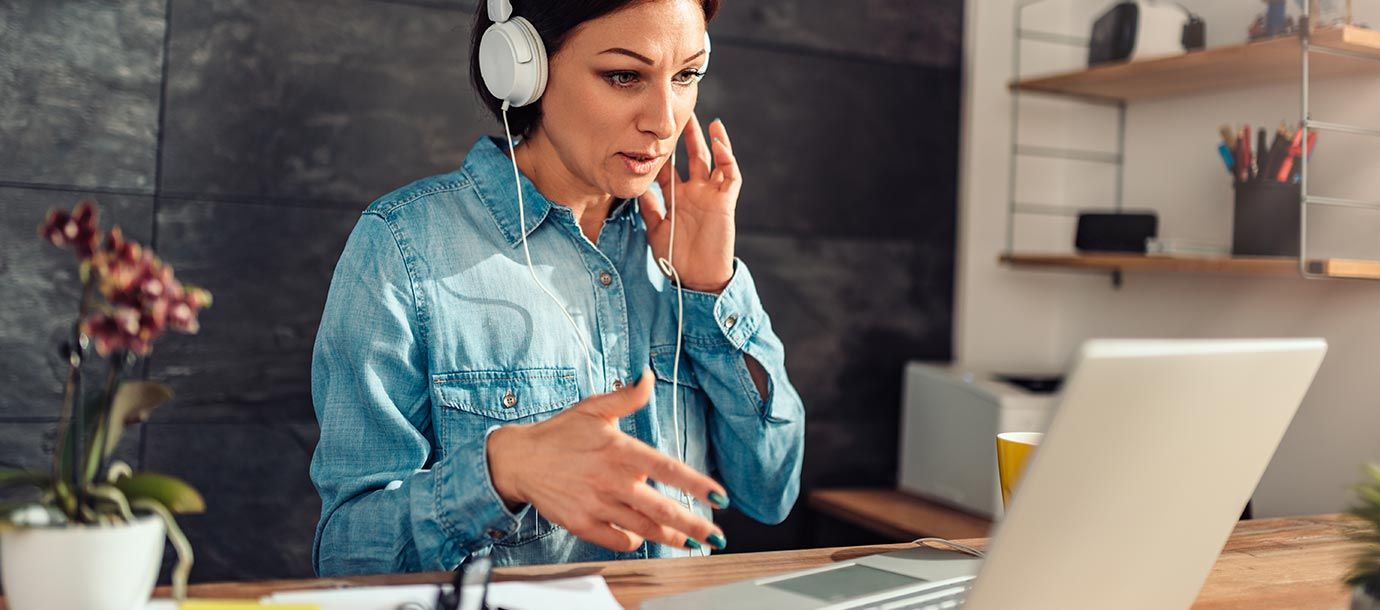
[619, 91]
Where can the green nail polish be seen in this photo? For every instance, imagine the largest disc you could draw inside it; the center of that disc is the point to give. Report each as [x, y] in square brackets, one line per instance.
[718, 541]
[690, 543]
[718, 499]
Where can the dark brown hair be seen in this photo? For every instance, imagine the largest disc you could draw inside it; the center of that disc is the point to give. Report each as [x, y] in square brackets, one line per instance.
[554, 20]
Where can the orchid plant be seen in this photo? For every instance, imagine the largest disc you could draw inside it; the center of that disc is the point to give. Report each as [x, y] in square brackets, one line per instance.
[129, 298]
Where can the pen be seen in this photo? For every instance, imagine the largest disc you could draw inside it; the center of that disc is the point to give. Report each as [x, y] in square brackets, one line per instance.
[1297, 175]
[1228, 137]
[1288, 165]
[1277, 150]
[1243, 160]
[1227, 158]
[1260, 153]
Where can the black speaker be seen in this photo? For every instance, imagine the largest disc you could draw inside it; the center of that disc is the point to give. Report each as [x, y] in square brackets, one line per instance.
[1115, 231]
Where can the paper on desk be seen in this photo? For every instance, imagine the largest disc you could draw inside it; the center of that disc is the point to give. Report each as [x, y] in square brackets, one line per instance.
[585, 593]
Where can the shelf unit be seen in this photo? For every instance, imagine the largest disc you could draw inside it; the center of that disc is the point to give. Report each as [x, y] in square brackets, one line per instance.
[1321, 53]
[1263, 266]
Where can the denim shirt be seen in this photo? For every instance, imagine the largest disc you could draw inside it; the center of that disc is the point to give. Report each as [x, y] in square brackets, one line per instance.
[434, 334]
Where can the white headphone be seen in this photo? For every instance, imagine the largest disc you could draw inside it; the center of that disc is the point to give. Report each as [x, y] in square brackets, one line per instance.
[512, 58]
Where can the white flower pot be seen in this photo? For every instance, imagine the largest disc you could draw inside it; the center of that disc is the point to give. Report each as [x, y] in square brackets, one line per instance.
[83, 567]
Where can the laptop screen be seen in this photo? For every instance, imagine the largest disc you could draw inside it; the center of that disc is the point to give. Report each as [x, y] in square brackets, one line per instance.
[844, 583]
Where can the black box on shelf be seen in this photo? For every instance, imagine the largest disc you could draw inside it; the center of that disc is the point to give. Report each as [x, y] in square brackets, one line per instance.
[1114, 231]
[1265, 221]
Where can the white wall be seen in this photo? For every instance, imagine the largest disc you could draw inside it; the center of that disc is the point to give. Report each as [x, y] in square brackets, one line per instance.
[1023, 319]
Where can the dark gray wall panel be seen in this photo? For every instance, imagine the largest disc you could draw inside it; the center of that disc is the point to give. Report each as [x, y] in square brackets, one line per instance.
[261, 508]
[838, 148]
[269, 268]
[926, 32]
[850, 314]
[79, 82]
[40, 293]
[340, 100]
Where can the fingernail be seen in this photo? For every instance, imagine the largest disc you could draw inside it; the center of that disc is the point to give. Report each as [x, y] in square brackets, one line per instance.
[690, 543]
[718, 541]
[718, 499]
[718, 120]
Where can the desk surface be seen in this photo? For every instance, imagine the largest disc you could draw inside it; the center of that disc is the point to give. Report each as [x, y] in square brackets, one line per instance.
[1294, 563]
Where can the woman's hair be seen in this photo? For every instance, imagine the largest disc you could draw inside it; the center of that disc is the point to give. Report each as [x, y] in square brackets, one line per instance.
[554, 20]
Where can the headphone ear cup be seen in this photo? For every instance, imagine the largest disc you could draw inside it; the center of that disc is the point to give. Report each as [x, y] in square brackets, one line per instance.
[512, 62]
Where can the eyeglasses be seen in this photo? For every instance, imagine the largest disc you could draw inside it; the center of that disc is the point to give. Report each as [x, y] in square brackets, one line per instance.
[473, 573]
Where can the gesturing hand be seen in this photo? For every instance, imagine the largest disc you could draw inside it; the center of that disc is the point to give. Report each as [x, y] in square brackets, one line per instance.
[704, 203]
[587, 476]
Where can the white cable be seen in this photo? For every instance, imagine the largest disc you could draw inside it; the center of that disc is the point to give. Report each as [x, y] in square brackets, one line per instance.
[522, 230]
[668, 267]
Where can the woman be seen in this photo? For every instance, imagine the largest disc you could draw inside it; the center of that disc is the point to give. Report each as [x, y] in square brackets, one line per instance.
[449, 387]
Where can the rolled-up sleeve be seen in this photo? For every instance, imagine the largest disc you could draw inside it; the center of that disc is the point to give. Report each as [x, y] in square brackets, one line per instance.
[757, 443]
[390, 502]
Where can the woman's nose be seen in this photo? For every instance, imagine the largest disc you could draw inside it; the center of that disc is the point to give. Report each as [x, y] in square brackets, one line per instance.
[658, 116]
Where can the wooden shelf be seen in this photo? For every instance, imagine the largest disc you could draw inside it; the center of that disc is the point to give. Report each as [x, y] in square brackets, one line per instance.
[1268, 266]
[1228, 67]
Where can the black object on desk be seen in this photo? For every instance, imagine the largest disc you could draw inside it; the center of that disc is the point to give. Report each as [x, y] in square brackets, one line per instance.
[1115, 231]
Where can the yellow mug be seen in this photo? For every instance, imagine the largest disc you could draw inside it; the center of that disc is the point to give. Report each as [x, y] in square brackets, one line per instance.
[1013, 452]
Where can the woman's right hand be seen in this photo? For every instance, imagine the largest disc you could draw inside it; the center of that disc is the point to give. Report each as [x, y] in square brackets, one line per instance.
[587, 476]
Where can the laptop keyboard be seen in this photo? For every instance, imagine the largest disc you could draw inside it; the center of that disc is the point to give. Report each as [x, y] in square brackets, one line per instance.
[943, 599]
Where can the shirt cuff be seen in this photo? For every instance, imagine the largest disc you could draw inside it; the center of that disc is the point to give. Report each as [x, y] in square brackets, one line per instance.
[733, 315]
[467, 504]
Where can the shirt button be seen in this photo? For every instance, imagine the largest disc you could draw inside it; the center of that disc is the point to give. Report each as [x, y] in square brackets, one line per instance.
[730, 321]
[617, 384]
[605, 278]
[510, 399]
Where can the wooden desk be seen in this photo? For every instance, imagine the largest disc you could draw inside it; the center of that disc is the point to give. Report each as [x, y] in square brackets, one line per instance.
[897, 514]
[1294, 564]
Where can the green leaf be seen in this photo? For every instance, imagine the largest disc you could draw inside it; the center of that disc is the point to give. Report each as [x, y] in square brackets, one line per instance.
[171, 492]
[134, 402]
[67, 459]
[12, 477]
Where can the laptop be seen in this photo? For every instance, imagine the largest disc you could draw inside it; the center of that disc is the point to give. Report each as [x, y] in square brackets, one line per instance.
[1153, 453]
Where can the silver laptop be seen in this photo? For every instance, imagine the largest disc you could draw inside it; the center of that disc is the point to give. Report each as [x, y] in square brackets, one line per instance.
[1154, 451]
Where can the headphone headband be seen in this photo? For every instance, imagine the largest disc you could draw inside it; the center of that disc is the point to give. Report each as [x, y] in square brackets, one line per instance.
[500, 10]
[512, 58]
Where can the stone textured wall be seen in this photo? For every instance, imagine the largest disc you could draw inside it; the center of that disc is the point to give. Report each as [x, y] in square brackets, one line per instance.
[241, 138]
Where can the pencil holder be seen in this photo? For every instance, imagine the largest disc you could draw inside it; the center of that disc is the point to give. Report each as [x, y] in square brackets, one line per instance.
[1266, 219]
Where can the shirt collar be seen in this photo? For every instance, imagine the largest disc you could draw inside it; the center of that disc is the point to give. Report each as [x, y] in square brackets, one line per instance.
[491, 170]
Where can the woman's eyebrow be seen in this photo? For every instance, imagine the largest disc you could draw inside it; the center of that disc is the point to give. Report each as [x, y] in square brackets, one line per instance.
[643, 58]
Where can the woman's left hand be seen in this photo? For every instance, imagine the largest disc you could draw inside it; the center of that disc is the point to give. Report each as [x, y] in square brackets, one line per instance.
[704, 205]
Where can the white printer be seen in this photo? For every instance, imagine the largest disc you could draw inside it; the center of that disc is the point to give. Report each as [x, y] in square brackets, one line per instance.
[950, 416]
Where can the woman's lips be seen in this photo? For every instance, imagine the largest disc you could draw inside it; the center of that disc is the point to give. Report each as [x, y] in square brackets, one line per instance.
[639, 164]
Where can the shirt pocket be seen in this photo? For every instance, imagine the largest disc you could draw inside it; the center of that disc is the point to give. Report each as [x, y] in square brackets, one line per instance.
[663, 366]
[471, 402]
[506, 396]
[691, 408]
